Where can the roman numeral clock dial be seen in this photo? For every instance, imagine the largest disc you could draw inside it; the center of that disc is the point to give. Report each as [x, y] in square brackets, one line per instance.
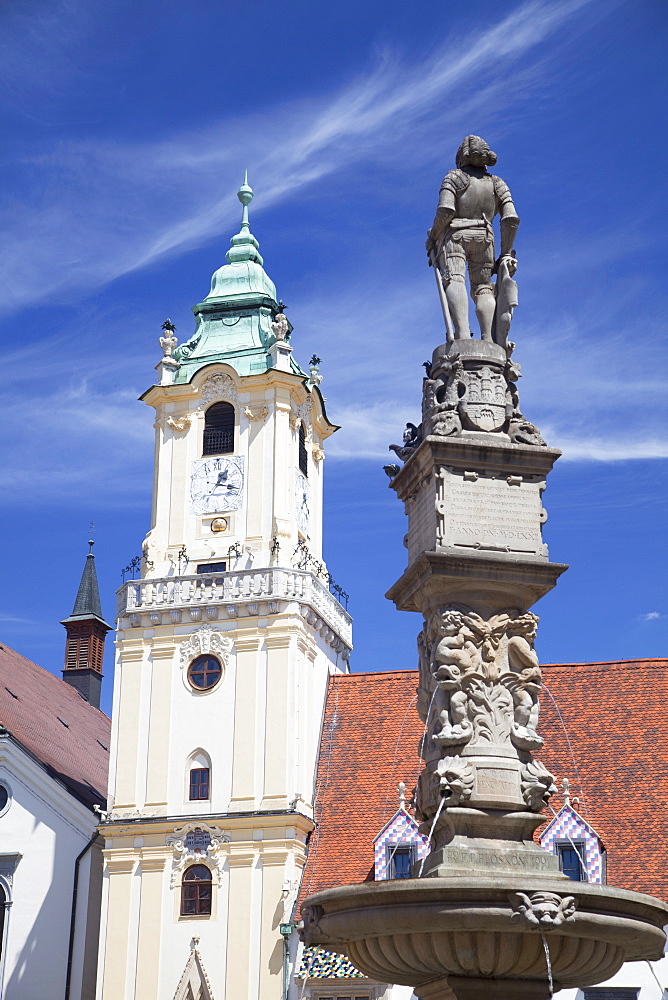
[217, 485]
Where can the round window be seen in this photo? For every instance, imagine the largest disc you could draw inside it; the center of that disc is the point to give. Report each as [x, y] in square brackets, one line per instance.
[204, 672]
[4, 797]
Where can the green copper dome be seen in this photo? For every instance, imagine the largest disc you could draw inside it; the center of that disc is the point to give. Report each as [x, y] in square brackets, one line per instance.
[243, 274]
[234, 320]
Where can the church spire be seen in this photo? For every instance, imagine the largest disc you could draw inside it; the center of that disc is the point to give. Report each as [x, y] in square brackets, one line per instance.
[86, 631]
[244, 244]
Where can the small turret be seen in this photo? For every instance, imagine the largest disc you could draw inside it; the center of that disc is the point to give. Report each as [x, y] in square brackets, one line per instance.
[86, 631]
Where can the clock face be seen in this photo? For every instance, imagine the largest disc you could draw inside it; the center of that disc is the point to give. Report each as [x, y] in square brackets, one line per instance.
[217, 484]
[303, 503]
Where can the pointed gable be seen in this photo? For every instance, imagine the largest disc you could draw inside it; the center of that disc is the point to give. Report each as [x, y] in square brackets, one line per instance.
[401, 830]
[569, 828]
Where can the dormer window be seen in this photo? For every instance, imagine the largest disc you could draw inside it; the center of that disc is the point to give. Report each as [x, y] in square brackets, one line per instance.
[303, 454]
[219, 429]
[571, 858]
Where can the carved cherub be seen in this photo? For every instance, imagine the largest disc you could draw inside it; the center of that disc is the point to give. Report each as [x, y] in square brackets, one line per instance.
[454, 658]
[524, 681]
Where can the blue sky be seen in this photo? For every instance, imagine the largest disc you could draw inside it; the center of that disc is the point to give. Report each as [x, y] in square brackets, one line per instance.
[127, 129]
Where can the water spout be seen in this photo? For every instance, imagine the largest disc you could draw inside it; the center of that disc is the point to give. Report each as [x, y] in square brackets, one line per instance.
[658, 981]
[426, 725]
[438, 813]
[548, 962]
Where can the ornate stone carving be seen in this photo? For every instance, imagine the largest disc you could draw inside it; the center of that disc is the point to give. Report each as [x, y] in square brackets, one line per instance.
[481, 678]
[412, 437]
[206, 640]
[279, 326]
[543, 910]
[197, 843]
[318, 453]
[456, 778]
[301, 412]
[168, 341]
[219, 386]
[537, 785]
[179, 424]
[194, 982]
[311, 916]
[255, 413]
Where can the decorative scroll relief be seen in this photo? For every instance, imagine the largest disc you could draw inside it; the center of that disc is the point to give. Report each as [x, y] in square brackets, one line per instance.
[206, 640]
[218, 386]
[197, 843]
[479, 679]
[501, 513]
[302, 412]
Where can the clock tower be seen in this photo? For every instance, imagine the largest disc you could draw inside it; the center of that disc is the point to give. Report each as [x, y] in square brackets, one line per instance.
[225, 644]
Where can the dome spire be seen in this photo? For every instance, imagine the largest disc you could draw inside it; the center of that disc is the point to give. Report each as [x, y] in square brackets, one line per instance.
[244, 245]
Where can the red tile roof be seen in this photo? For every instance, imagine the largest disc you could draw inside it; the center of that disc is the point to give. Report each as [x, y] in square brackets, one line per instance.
[617, 721]
[616, 718]
[51, 720]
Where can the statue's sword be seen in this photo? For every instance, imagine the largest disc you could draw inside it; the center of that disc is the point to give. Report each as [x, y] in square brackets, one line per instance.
[450, 332]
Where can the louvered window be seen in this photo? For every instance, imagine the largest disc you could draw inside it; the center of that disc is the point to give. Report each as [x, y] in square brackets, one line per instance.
[219, 429]
[303, 454]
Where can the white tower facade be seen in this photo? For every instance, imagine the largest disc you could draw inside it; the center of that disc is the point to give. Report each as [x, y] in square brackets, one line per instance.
[225, 644]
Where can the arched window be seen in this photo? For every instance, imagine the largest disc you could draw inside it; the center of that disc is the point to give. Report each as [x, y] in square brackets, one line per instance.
[303, 454]
[219, 429]
[196, 891]
[198, 777]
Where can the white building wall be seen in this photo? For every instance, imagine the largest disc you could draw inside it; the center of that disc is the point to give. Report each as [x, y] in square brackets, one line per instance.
[48, 828]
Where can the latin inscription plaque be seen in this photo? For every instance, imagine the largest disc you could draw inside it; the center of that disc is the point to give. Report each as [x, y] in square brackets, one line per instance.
[501, 513]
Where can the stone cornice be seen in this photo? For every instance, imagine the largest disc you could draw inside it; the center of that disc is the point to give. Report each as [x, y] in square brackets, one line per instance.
[231, 823]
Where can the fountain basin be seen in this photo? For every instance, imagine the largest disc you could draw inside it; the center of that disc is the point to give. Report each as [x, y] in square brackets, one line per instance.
[435, 934]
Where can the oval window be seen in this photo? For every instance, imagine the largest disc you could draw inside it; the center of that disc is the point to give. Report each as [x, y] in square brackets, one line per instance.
[4, 797]
[204, 672]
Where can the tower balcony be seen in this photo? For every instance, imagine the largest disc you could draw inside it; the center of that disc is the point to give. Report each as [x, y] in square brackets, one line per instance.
[236, 594]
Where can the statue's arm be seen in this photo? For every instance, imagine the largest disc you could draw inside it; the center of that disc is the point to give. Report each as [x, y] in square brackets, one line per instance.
[509, 218]
[445, 211]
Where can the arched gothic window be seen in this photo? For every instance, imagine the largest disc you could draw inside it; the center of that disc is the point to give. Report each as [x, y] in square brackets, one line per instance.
[219, 429]
[303, 454]
[196, 891]
[198, 776]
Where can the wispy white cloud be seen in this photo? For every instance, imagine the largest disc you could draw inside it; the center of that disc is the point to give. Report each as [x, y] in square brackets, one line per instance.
[108, 208]
[651, 616]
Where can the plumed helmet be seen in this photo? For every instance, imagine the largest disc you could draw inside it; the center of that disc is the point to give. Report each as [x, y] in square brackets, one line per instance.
[474, 144]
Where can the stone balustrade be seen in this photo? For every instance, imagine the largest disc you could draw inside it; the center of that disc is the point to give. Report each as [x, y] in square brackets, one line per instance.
[236, 594]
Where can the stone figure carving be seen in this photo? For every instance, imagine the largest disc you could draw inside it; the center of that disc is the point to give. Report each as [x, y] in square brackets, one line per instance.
[279, 326]
[168, 341]
[311, 916]
[506, 298]
[537, 785]
[179, 424]
[543, 910]
[480, 678]
[412, 437]
[462, 236]
[456, 780]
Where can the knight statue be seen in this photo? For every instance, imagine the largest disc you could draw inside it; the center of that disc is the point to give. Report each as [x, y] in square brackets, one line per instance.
[462, 235]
